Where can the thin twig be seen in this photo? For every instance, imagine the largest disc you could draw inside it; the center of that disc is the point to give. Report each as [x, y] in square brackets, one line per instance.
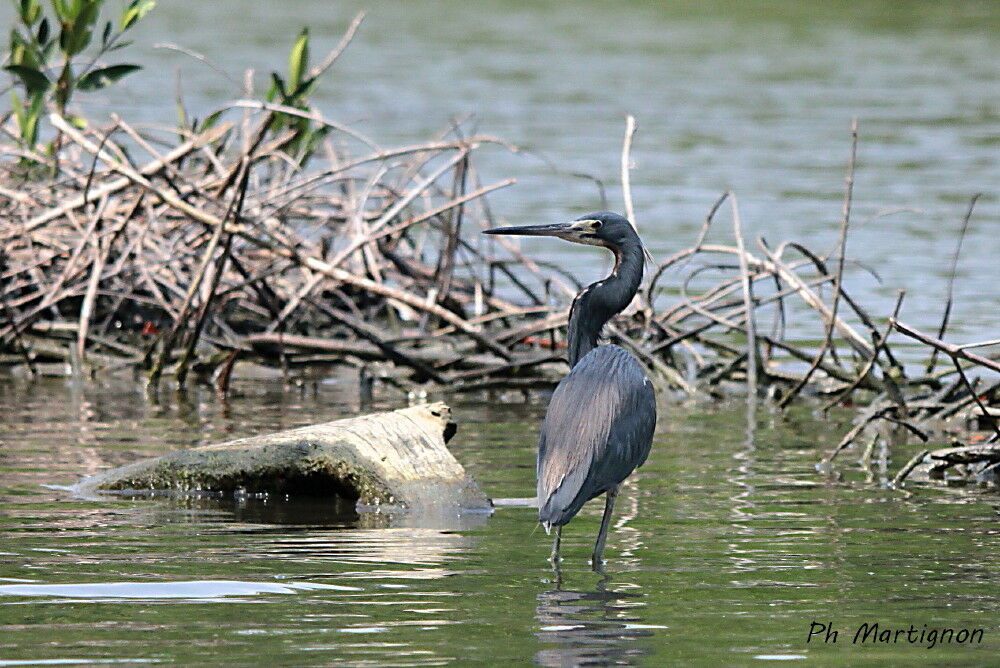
[947, 348]
[630, 128]
[751, 325]
[952, 271]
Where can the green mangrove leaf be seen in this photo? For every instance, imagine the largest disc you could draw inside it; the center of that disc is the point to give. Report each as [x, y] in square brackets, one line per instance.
[73, 9]
[211, 120]
[17, 107]
[88, 15]
[65, 38]
[277, 88]
[298, 59]
[135, 11]
[303, 91]
[61, 10]
[20, 51]
[79, 40]
[30, 11]
[34, 80]
[43, 31]
[99, 78]
[27, 119]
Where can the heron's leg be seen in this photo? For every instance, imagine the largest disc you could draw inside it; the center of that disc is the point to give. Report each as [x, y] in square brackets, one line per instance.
[602, 535]
[555, 546]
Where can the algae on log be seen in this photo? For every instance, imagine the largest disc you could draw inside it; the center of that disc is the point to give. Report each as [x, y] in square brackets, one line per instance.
[397, 458]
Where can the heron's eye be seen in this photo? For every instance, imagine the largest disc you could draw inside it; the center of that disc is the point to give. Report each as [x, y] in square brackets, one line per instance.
[597, 224]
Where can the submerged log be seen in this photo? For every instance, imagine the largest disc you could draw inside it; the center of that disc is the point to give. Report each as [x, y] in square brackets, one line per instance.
[396, 458]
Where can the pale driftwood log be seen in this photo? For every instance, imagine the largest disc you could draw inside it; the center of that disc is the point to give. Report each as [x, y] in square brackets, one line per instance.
[396, 458]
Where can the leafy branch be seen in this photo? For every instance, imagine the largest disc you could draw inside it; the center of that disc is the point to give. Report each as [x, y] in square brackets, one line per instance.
[46, 56]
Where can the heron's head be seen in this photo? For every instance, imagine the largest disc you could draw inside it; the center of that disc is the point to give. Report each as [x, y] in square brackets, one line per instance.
[601, 228]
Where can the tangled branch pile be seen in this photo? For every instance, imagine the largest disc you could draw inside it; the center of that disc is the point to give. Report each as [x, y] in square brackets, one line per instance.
[229, 248]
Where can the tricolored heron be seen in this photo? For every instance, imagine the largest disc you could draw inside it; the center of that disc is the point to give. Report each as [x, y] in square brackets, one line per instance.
[600, 420]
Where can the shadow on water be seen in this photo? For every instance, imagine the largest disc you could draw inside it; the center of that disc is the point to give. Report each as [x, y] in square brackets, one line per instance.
[594, 626]
[310, 511]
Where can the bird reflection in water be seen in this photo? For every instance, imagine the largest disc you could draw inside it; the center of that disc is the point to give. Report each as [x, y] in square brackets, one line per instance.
[587, 628]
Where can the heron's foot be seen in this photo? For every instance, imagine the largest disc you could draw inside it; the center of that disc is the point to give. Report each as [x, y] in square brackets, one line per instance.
[598, 567]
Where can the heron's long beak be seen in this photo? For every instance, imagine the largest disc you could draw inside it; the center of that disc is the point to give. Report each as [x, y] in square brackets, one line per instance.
[561, 230]
[577, 231]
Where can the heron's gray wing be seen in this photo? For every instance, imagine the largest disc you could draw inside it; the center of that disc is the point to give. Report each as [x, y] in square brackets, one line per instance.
[598, 429]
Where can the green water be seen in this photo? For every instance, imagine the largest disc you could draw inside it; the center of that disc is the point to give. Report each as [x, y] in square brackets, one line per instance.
[724, 549]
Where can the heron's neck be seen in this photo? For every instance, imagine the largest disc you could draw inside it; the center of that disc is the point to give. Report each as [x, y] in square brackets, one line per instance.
[602, 300]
